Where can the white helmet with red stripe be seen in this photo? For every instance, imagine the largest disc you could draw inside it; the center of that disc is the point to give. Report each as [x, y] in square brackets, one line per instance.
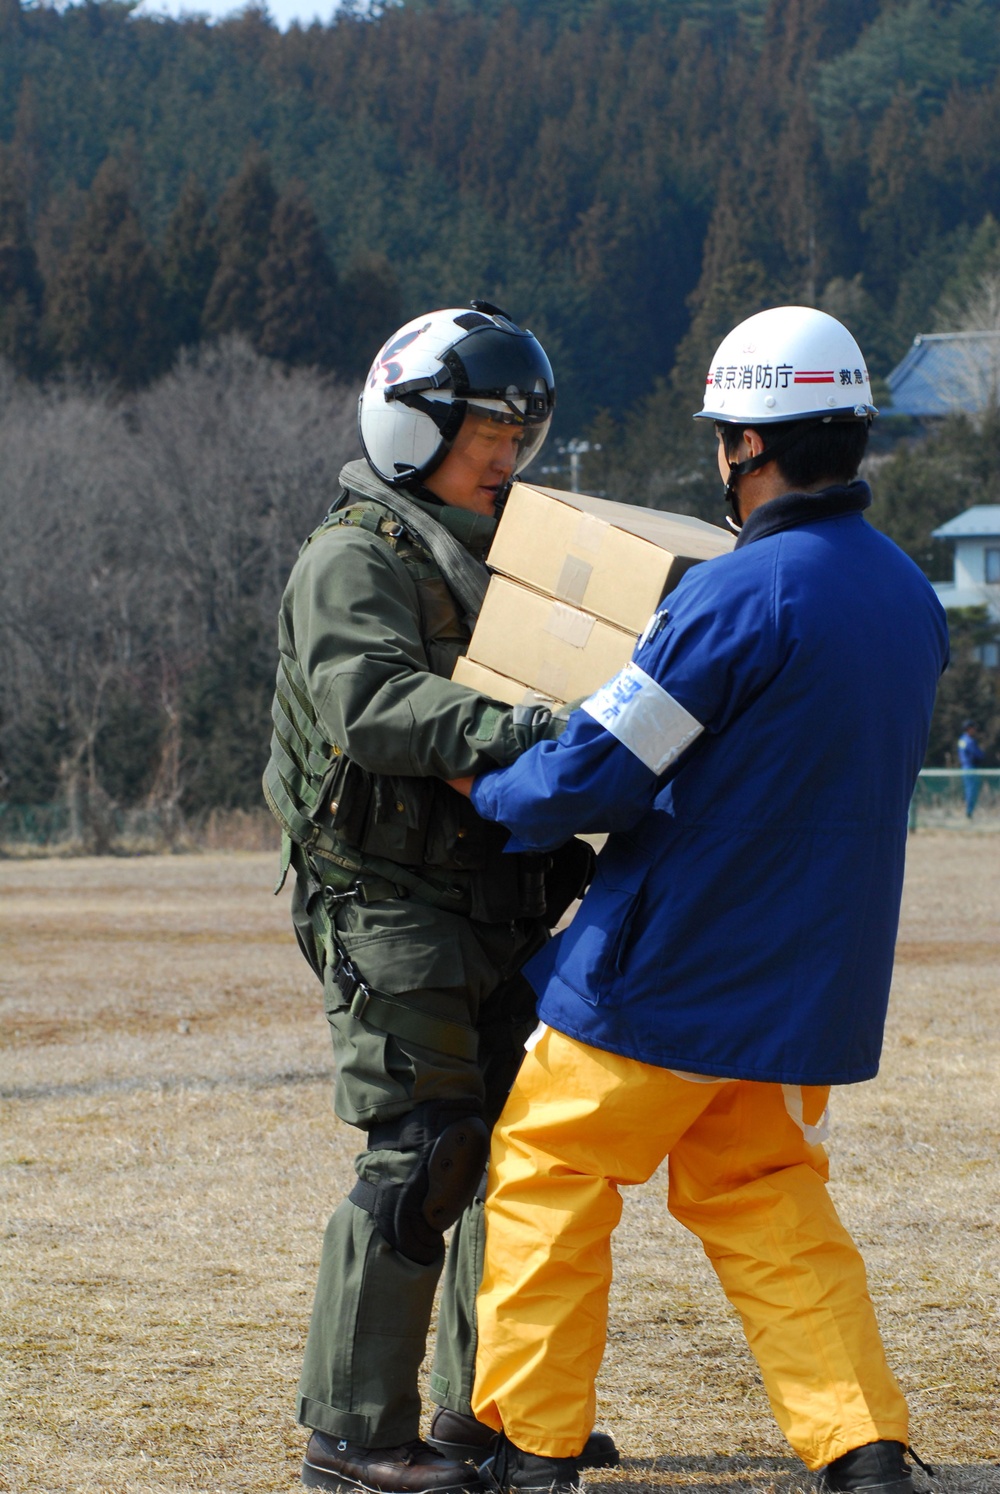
[789, 363]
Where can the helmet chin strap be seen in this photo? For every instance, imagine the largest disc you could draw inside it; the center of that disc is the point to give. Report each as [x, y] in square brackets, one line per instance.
[732, 499]
[751, 464]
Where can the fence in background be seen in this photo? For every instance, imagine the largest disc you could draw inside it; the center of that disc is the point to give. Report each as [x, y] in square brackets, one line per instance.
[25, 828]
[33, 824]
[943, 796]
[940, 801]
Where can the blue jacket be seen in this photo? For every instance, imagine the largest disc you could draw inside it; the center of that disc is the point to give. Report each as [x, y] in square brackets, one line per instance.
[754, 765]
[970, 754]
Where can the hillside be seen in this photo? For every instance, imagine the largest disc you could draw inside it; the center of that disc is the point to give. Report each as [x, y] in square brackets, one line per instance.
[207, 230]
[625, 176]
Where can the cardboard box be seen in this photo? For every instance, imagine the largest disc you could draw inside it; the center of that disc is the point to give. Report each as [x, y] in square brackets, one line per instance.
[614, 560]
[561, 651]
[499, 686]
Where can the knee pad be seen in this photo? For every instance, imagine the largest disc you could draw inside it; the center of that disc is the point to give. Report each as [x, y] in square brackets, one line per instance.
[451, 1143]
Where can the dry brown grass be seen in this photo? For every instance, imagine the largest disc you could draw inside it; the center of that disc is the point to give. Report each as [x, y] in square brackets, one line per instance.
[170, 1157]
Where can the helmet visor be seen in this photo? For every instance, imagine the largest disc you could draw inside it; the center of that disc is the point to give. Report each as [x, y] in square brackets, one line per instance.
[511, 367]
[530, 430]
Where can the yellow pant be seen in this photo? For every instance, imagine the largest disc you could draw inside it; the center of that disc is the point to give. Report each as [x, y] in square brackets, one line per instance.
[744, 1178]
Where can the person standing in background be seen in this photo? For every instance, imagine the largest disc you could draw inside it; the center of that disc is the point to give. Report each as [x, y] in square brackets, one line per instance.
[970, 757]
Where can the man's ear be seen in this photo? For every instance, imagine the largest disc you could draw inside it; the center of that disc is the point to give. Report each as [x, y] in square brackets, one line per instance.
[754, 442]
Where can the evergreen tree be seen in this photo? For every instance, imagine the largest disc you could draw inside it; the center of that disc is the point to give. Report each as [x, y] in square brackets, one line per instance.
[962, 144]
[298, 304]
[850, 303]
[27, 147]
[593, 163]
[190, 261]
[900, 216]
[795, 209]
[968, 300]
[245, 212]
[20, 279]
[371, 304]
[107, 305]
[736, 291]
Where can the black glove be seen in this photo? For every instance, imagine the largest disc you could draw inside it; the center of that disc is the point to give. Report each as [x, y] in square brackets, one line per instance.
[531, 724]
[540, 723]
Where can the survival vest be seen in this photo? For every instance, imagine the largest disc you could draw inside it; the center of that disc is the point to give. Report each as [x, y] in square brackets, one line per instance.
[388, 833]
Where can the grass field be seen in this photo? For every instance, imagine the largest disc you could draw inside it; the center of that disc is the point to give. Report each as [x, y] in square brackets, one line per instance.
[169, 1158]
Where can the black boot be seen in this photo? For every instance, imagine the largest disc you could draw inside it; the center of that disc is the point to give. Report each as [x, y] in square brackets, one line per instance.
[344, 1467]
[876, 1468]
[511, 1471]
[459, 1436]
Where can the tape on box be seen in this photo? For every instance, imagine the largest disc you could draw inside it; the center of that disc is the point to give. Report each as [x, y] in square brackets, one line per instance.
[569, 625]
[574, 579]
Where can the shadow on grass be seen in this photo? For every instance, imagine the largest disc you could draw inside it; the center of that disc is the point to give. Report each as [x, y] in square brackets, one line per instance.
[742, 1474]
[714, 1474]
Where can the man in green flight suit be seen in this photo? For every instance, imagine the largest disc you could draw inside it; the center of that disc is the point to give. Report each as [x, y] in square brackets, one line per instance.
[404, 903]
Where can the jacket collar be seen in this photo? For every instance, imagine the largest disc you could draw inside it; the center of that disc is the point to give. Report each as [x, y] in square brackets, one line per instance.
[793, 509]
[474, 531]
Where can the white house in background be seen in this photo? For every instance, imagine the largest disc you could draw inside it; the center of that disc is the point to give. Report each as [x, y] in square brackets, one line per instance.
[976, 582]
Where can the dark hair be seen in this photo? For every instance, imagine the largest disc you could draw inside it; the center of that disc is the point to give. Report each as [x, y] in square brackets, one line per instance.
[830, 452]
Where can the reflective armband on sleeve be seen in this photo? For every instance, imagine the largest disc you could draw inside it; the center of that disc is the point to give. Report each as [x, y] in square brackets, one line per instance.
[644, 717]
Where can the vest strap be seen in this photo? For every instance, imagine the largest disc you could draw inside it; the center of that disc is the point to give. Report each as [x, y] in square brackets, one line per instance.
[395, 1017]
[467, 577]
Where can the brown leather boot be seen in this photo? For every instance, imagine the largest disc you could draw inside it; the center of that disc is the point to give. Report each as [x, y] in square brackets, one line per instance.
[334, 1463]
[459, 1436]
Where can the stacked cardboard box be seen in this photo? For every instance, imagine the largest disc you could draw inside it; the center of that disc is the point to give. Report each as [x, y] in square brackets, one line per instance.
[575, 581]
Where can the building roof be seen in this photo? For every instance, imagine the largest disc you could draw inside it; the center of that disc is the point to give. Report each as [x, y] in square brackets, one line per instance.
[945, 372]
[982, 521]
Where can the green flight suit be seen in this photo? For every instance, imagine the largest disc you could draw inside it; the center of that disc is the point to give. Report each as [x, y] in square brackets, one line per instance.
[369, 634]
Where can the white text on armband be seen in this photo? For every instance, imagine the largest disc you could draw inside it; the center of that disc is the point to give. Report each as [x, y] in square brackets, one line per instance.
[644, 717]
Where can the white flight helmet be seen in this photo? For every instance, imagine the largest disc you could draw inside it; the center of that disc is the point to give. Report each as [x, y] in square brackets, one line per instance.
[438, 368]
[790, 363]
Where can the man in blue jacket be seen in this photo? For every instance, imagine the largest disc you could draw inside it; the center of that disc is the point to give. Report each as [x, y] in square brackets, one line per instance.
[753, 765]
[971, 757]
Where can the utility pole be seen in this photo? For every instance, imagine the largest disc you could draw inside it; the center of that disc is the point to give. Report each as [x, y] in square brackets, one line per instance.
[575, 449]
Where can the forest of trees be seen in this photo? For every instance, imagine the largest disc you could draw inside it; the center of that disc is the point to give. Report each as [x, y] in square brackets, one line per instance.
[145, 547]
[220, 223]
